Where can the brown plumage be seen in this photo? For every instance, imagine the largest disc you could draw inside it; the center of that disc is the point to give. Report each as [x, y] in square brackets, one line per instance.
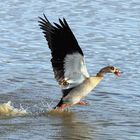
[69, 65]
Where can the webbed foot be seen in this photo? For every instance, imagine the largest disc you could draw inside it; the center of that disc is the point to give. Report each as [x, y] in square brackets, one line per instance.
[83, 103]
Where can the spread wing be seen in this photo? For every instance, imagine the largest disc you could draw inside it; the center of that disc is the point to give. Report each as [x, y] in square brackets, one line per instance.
[67, 57]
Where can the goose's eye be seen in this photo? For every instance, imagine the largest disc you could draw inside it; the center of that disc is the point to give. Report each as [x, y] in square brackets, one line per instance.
[112, 68]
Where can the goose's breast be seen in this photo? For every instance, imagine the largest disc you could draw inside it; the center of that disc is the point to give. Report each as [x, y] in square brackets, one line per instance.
[80, 91]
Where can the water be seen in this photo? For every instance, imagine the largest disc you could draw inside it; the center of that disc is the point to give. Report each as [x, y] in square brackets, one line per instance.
[108, 32]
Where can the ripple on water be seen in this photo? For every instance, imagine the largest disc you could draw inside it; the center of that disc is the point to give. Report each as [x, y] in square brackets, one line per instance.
[108, 33]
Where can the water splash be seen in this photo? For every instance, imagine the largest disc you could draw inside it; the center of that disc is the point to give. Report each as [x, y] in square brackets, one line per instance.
[6, 109]
[43, 108]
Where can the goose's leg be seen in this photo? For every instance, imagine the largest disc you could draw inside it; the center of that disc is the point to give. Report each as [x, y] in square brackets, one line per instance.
[83, 103]
[61, 107]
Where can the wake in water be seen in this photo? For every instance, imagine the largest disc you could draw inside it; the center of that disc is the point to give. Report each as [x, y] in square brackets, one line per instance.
[6, 109]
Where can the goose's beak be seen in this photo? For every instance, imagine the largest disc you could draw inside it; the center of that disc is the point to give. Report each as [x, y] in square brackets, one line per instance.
[117, 72]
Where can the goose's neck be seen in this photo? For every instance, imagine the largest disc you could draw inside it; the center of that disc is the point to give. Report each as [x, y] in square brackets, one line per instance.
[102, 72]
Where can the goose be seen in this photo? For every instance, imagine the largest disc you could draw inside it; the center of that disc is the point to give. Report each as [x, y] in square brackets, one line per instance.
[69, 64]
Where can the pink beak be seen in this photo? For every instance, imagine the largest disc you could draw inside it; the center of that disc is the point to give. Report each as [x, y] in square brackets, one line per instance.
[117, 72]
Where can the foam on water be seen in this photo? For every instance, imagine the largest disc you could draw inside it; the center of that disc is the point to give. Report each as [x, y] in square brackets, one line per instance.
[6, 109]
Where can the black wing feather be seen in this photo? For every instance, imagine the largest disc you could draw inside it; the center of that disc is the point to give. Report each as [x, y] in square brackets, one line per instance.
[61, 41]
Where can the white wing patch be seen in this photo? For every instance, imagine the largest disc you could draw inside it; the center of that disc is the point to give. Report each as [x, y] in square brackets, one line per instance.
[75, 70]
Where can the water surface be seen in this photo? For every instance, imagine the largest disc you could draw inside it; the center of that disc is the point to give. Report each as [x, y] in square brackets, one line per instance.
[108, 33]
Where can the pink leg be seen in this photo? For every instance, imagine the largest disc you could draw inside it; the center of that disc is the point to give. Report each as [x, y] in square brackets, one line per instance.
[61, 108]
[83, 103]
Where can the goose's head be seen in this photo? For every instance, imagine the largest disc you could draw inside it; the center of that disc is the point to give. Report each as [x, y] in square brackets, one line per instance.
[114, 70]
[109, 69]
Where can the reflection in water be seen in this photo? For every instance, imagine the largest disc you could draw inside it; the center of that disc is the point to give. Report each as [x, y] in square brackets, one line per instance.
[72, 126]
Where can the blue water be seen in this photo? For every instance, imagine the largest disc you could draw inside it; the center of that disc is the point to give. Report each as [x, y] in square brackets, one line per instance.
[108, 33]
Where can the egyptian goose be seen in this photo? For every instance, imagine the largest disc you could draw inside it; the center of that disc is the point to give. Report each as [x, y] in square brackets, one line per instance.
[69, 65]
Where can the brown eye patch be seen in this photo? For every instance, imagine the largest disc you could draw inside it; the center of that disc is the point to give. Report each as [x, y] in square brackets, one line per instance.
[112, 68]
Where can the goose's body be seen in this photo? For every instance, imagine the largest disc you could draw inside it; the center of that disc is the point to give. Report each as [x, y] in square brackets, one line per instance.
[82, 90]
[68, 63]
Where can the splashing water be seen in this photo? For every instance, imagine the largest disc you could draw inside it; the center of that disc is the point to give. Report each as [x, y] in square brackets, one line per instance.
[6, 109]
